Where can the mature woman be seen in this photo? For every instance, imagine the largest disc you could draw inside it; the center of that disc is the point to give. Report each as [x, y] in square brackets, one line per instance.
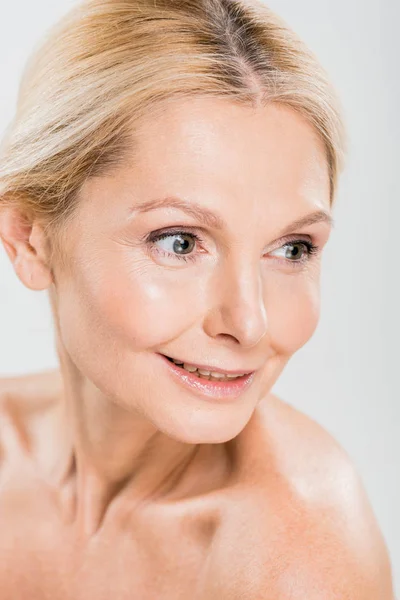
[169, 177]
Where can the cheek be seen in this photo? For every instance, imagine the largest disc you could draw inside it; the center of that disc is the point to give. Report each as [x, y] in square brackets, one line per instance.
[141, 305]
[293, 308]
[150, 307]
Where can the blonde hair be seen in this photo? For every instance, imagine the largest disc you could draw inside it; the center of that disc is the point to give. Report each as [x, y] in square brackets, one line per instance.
[107, 63]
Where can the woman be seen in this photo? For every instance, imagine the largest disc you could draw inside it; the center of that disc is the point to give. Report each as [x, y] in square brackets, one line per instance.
[169, 177]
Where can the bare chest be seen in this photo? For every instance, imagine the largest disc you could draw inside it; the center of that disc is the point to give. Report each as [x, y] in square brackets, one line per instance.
[163, 553]
[201, 551]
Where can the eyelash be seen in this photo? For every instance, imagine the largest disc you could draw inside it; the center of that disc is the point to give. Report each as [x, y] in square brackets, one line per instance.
[154, 237]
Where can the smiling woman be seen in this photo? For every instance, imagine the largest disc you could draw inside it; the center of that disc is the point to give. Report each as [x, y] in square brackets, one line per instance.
[169, 178]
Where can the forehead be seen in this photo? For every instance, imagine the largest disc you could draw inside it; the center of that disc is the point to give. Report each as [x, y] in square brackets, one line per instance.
[261, 166]
[212, 141]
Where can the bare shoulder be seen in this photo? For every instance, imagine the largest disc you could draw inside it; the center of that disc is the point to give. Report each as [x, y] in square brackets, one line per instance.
[335, 518]
[27, 403]
[32, 391]
[309, 530]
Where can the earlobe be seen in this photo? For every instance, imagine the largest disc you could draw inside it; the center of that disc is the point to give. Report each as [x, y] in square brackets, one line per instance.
[33, 273]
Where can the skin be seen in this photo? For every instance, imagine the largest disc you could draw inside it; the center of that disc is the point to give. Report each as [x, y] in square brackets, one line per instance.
[115, 478]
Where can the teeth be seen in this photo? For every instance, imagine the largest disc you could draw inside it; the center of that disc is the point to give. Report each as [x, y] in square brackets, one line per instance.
[218, 375]
[203, 374]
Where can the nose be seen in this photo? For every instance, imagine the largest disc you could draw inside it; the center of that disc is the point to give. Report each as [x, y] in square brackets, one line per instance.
[239, 310]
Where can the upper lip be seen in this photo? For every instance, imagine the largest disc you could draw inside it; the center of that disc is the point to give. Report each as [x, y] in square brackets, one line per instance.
[211, 367]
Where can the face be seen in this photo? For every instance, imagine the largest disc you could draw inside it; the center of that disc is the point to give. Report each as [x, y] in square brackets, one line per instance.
[232, 284]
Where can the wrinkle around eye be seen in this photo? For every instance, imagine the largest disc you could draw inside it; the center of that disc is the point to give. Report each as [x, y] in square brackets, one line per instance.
[207, 245]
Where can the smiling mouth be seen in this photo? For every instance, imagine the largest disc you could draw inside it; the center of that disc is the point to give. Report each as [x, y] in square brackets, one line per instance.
[205, 373]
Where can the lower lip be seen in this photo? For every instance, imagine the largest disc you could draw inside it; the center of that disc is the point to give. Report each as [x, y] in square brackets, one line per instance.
[213, 389]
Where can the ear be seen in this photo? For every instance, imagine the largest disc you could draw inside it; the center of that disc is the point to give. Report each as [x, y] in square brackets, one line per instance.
[26, 245]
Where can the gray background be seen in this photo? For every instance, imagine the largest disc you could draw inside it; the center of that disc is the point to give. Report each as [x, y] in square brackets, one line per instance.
[344, 377]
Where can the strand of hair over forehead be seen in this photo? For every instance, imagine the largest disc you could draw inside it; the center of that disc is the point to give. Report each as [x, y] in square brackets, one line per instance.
[108, 63]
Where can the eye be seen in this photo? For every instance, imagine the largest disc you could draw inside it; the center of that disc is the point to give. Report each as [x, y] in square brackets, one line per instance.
[297, 251]
[175, 244]
[182, 244]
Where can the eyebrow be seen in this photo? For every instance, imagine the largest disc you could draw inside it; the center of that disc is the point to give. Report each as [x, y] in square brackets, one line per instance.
[210, 219]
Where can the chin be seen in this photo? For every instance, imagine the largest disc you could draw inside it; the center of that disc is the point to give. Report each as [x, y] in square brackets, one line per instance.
[210, 425]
